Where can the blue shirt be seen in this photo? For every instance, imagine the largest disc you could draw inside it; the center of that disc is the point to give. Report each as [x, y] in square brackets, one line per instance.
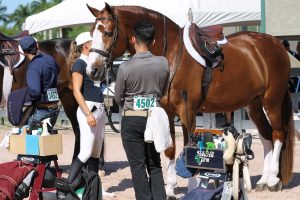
[41, 75]
[90, 90]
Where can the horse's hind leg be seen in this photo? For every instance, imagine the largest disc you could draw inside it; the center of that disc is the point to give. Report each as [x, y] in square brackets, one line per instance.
[280, 114]
[258, 116]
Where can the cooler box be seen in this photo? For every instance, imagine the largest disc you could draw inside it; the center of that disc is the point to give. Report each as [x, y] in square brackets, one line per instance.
[36, 145]
[209, 160]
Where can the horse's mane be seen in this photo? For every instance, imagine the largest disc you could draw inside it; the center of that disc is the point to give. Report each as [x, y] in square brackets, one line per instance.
[138, 10]
[65, 47]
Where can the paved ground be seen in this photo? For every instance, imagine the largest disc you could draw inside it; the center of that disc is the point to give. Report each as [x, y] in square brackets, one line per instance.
[118, 177]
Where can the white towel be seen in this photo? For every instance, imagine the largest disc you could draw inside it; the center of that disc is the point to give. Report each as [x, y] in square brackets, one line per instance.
[5, 142]
[158, 129]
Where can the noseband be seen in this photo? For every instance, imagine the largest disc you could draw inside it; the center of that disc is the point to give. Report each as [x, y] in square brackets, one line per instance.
[108, 54]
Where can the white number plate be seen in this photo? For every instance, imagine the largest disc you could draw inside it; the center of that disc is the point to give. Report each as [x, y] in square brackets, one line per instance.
[144, 102]
[52, 94]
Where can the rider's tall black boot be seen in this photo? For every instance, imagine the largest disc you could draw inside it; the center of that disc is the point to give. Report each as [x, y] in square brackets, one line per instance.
[75, 169]
[93, 164]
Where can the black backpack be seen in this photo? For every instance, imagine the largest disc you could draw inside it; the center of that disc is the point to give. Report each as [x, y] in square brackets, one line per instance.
[93, 186]
[91, 182]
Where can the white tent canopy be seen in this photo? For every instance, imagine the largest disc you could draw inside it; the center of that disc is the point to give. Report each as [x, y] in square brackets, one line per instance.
[205, 12]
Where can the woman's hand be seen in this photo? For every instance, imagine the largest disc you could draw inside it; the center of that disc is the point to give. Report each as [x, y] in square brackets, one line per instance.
[91, 120]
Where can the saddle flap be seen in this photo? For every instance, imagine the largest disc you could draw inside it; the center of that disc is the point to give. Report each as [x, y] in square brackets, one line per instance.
[210, 34]
[205, 41]
[11, 54]
[213, 33]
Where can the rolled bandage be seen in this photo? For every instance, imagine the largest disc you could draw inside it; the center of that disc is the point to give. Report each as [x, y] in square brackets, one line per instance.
[231, 147]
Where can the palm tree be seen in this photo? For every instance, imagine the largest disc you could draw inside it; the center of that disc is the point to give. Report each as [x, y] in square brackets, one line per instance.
[38, 6]
[3, 16]
[20, 15]
[54, 2]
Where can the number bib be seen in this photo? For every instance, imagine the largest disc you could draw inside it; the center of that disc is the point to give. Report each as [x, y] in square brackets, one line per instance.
[141, 102]
[52, 94]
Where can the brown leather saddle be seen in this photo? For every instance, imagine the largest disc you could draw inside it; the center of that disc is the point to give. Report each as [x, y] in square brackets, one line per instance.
[204, 40]
[9, 50]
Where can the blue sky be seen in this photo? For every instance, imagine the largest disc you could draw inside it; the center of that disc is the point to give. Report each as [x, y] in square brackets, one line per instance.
[11, 5]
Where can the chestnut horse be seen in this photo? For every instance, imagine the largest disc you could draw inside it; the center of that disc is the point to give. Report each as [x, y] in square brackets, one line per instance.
[255, 73]
[63, 51]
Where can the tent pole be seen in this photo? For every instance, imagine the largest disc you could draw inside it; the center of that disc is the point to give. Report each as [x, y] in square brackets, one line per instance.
[263, 17]
[50, 34]
[44, 35]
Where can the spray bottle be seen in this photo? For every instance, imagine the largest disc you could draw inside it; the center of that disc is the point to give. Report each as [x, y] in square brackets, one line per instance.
[45, 128]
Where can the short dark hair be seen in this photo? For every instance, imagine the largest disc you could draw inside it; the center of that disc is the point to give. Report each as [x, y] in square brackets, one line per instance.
[144, 32]
[285, 43]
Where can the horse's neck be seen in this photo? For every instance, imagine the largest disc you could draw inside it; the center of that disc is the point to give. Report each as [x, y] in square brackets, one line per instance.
[168, 33]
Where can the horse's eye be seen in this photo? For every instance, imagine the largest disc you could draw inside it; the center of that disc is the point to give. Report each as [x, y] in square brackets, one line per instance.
[107, 34]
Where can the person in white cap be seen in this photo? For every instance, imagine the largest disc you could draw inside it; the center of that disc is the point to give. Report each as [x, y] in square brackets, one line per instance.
[90, 113]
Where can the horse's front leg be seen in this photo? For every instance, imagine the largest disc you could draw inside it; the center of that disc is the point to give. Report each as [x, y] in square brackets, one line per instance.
[187, 114]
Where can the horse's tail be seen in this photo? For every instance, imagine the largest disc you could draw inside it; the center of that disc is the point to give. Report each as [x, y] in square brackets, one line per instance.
[287, 153]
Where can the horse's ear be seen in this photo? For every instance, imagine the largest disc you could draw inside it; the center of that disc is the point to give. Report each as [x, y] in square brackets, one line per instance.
[108, 8]
[94, 11]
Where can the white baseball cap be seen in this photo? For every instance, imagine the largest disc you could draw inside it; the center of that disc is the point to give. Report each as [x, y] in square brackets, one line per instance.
[83, 38]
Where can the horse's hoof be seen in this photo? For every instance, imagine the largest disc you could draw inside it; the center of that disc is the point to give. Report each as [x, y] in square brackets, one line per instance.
[276, 188]
[171, 198]
[261, 187]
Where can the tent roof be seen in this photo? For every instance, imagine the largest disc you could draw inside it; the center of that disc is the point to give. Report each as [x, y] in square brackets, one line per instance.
[205, 12]
[282, 18]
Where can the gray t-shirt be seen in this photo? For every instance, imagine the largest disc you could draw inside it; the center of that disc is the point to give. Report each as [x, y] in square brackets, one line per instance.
[142, 75]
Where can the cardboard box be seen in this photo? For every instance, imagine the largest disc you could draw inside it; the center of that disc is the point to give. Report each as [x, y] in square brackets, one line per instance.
[50, 145]
[36, 145]
[17, 144]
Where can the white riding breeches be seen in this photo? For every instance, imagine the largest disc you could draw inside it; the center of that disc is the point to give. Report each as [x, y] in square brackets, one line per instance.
[91, 138]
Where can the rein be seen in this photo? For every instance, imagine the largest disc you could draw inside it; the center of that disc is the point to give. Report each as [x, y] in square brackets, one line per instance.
[165, 37]
[108, 54]
[173, 72]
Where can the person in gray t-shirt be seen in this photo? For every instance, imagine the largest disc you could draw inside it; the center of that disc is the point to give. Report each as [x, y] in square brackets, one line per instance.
[139, 86]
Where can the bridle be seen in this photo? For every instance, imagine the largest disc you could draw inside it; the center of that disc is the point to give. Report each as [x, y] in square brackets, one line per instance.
[114, 34]
[108, 54]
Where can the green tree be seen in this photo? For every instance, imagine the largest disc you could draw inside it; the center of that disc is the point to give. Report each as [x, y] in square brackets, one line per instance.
[3, 16]
[41, 5]
[38, 6]
[17, 18]
[19, 15]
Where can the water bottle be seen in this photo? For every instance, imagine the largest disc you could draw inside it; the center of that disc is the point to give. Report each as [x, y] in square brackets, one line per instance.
[200, 145]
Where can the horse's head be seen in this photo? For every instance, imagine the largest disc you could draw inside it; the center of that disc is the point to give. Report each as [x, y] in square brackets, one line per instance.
[108, 42]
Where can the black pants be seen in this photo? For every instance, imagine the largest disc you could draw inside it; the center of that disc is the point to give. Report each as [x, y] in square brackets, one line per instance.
[141, 157]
